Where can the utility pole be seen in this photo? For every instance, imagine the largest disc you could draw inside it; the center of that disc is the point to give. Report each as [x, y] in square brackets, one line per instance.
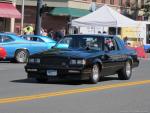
[38, 17]
[22, 17]
[12, 23]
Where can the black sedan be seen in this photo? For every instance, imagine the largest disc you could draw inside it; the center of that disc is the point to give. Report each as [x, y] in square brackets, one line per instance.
[83, 57]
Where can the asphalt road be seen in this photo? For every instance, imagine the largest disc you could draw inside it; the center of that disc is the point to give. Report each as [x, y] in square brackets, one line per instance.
[20, 95]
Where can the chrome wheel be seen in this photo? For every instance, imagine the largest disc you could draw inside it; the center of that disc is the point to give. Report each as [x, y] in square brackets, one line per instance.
[128, 69]
[95, 74]
[21, 56]
[126, 72]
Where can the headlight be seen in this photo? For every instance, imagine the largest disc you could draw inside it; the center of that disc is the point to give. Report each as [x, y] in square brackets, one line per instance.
[83, 62]
[78, 62]
[73, 62]
[34, 60]
[31, 60]
[37, 60]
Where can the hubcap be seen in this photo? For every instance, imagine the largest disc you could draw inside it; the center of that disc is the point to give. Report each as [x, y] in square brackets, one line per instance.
[95, 72]
[21, 57]
[128, 69]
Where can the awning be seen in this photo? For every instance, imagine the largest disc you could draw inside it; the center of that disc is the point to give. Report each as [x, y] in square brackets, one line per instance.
[66, 11]
[7, 10]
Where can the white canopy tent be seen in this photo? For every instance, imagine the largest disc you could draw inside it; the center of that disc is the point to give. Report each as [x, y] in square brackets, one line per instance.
[104, 16]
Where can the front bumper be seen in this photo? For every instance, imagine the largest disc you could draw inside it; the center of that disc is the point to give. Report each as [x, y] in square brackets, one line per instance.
[73, 73]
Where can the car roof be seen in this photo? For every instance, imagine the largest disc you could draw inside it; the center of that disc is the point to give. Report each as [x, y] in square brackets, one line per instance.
[35, 36]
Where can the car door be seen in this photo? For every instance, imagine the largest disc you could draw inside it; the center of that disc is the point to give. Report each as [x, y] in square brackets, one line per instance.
[38, 45]
[9, 44]
[112, 56]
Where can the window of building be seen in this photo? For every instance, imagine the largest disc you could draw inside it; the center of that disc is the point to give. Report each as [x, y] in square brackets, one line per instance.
[120, 2]
[112, 2]
[103, 1]
[93, 0]
[142, 3]
[127, 3]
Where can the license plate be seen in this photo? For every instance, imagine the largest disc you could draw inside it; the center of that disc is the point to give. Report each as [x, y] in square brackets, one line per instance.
[51, 72]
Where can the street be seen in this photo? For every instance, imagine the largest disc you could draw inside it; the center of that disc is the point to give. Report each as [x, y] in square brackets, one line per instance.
[20, 95]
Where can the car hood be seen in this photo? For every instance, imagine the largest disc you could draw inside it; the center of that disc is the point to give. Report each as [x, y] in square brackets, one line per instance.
[72, 53]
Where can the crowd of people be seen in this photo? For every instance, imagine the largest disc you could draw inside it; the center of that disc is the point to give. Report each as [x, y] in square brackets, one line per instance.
[56, 35]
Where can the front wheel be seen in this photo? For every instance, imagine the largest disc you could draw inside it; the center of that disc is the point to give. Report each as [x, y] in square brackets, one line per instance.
[95, 75]
[126, 72]
[21, 56]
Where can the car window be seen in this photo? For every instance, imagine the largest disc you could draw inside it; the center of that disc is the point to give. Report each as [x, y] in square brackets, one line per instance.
[36, 39]
[4, 39]
[26, 38]
[110, 44]
[33, 38]
[121, 43]
[92, 42]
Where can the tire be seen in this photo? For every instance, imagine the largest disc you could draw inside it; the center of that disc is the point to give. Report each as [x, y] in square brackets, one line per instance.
[95, 74]
[21, 56]
[41, 80]
[126, 72]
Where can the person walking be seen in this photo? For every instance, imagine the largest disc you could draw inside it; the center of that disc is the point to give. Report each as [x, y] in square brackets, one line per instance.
[28, 30]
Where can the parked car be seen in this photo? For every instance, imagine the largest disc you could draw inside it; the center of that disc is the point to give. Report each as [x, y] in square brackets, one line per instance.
[2, 53]
[19, 49]
[83, 57]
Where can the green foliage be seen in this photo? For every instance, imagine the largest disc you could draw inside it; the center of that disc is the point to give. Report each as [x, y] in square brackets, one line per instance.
[147, 9]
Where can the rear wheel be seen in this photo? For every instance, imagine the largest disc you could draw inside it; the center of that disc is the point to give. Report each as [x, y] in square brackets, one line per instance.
[21, 56]
[126, 72]
[95, 75]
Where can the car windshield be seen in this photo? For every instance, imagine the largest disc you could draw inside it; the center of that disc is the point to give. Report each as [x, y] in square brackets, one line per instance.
[75, 42]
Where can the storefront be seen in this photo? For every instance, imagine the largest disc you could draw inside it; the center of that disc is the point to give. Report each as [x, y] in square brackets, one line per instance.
[7, 11]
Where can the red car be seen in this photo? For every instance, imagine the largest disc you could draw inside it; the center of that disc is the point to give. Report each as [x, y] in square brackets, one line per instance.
[2, 53]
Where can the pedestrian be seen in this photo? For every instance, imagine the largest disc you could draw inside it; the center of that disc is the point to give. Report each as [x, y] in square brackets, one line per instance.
[45, 32]
[59, 34]
[51, 33]
[28, 29]
[104, 33]
[125, 39]
[41, 31]
[99, 32]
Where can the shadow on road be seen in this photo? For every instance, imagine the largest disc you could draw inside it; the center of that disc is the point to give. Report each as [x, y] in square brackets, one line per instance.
[63, 82]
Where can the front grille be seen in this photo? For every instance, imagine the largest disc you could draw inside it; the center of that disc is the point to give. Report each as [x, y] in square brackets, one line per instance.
[55, 61]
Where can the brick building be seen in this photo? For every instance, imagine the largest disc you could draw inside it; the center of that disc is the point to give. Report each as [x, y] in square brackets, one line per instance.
[62, 11]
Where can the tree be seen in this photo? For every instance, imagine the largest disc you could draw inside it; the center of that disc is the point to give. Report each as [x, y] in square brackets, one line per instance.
[147, 9]
[135, 8]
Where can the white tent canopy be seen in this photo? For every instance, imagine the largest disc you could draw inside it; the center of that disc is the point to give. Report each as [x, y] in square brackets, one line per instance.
[104, 16]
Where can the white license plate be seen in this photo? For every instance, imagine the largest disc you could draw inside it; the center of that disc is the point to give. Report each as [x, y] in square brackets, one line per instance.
[51, 72]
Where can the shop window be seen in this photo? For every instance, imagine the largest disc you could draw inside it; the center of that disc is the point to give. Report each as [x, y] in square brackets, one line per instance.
[103, 1]
[112, 2]
[120, 3]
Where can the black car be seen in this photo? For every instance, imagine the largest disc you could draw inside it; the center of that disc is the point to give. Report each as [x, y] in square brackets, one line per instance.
[83, 57]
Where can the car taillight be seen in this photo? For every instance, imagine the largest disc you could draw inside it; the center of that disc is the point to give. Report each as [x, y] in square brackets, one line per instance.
[3, 53]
